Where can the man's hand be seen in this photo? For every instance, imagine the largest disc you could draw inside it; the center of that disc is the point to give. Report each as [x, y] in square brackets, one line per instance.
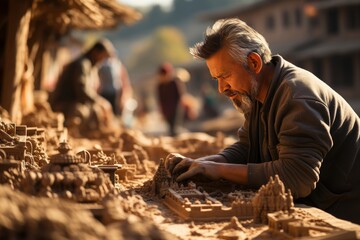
[173, 159]
[206, 168]
[176, 164]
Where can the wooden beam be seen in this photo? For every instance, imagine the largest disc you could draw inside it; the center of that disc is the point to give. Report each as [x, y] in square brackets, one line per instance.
[15, 56]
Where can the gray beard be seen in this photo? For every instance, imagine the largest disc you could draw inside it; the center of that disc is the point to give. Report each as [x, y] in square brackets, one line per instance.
[243, 103]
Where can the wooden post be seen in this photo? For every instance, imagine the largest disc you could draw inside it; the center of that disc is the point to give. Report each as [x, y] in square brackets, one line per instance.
[15, 56]
[36, 43]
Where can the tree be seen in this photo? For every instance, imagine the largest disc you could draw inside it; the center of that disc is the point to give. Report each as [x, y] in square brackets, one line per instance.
[165, 44]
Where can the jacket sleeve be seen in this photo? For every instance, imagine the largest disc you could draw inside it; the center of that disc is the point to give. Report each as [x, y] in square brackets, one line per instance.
[302, 127]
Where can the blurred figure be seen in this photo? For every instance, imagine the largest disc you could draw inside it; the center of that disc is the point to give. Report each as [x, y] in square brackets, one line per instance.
[189, 106]
[74, 94]
[209, 102]
[114, 84]
[170, 90]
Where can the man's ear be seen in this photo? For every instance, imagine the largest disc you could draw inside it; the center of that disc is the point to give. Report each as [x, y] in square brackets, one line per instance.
[254, 62]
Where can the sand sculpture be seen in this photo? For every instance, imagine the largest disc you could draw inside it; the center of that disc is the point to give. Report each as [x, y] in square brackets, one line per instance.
[25, 217]
[68, 176]
[4, 115]
[108, 164]
[21, 148]
[123, 165]
[271, 197]
[271, 205]
[233, 230]
[42, 115]
[11, 172]
[192, 145]
[13, 141]
[192, 204]
[195, 145]
[293, 225]
[122, 213]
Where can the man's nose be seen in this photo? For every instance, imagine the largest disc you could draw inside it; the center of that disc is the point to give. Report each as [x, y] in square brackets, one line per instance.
[222, 86]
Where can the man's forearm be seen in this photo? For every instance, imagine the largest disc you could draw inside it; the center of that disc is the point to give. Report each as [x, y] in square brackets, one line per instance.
[236, 173]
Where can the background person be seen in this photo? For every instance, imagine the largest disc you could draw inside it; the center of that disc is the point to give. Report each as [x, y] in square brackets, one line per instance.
[74, 94]
[170, 91]
[114, 83]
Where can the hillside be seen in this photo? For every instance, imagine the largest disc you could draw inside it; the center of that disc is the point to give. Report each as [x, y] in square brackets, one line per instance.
[184, 15]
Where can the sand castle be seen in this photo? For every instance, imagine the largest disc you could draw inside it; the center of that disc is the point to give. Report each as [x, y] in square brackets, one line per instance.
[90, 177]
[68, 176]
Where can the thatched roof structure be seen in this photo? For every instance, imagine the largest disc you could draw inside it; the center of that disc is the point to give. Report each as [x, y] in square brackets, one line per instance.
[27, 29]
[64, 15]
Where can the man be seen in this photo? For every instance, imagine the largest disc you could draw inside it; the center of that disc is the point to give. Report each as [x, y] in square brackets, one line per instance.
[170, 91]
[296, 126]
[114, 83]
[75, 96]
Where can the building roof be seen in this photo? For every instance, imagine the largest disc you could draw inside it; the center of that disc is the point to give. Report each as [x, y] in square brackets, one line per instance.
[323, 4]
[234, 11]
[327, 47]
[63, 15]
[247, 6]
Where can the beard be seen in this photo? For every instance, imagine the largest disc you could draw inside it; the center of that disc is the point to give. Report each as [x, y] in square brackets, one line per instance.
[244, 102]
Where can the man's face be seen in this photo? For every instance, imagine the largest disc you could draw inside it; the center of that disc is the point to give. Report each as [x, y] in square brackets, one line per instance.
[100, 56]
[236, 82]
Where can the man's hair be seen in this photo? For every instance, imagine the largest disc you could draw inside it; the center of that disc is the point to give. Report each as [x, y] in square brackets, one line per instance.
[237, 37]
[104, 45]
[165, 68]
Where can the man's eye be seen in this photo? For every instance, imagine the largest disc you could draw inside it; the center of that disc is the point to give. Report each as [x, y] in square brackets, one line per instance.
[215, 78]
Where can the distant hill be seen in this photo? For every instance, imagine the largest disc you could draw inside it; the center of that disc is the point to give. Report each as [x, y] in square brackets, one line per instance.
[184, 15]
